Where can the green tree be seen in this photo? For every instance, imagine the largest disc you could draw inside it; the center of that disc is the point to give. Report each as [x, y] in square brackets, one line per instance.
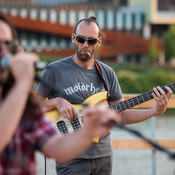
[169, 43]
[153, 52]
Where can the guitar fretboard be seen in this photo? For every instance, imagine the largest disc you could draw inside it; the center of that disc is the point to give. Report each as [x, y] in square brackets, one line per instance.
[127, 104]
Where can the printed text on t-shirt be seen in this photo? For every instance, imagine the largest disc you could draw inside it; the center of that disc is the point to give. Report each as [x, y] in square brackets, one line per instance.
[82, 87]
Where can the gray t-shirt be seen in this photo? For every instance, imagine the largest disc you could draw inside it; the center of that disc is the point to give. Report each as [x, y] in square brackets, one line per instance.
[76, 84]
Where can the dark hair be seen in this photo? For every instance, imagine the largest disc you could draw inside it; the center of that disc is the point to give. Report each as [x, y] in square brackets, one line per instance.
[32, 103]
[4, 18]
[88, 21]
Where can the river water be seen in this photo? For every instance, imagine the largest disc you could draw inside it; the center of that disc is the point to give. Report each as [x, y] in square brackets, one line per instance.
[133, 162]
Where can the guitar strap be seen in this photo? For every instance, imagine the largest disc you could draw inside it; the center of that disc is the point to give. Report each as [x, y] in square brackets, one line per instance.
[99, 71]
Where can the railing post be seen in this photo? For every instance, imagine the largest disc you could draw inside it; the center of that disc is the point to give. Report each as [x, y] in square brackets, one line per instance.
[153, 135]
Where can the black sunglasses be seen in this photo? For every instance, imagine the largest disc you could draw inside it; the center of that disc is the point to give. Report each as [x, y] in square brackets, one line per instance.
[90, 41]
[12, 46]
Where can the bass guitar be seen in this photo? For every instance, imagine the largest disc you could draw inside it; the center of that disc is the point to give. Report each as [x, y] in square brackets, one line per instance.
[65, 126]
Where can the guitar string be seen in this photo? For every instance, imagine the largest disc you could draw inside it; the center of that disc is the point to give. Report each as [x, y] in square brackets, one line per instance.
[136, 101]
[120, 108]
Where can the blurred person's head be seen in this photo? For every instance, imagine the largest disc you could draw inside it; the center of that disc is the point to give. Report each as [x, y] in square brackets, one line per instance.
[8, 43]
[8, 35]
[9, 46]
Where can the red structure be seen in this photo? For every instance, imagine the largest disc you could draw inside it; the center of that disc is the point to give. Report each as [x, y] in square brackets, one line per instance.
[115, 43]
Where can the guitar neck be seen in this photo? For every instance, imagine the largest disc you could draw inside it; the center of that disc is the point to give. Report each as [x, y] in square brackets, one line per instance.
[127, 104]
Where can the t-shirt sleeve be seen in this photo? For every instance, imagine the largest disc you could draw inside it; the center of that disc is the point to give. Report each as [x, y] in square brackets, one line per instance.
[47, 76]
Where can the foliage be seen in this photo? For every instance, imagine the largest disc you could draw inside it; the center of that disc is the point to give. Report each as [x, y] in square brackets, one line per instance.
[48, 59]
[144, 82]
[169, 43]
[153, 52]
[140, 78]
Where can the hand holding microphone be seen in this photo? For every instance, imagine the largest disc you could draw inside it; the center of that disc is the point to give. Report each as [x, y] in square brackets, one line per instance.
[5, 63]
[21, 66]
[17, 51]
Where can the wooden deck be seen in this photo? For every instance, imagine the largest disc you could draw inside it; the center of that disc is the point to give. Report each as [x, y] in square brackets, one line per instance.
[140, 144]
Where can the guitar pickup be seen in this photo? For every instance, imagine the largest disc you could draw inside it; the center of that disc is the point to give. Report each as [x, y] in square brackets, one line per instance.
[76, 124]
[62, 127]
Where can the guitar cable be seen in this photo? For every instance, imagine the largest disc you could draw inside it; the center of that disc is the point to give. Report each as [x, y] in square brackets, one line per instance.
[45, 167]
[38, 79]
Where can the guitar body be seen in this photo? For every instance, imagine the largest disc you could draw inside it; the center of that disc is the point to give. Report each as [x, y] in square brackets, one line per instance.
[64, 125]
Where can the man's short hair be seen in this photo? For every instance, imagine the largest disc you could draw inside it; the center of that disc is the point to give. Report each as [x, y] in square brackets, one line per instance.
[88, 21]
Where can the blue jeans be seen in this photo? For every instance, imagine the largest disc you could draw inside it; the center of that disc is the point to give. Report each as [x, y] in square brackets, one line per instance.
[100, 166]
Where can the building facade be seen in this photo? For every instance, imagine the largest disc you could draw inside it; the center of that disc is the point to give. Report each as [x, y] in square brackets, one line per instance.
[121, 17]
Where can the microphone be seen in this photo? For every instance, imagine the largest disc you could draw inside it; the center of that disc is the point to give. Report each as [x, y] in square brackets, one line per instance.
[4, 63]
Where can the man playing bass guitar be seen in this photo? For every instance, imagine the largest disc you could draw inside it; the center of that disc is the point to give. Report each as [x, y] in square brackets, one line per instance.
[80, 76]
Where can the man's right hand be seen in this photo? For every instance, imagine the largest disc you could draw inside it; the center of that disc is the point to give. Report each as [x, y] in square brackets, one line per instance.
[22, 68]
[66, 109]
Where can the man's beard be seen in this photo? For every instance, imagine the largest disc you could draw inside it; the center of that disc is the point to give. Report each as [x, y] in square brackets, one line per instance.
[83, 57]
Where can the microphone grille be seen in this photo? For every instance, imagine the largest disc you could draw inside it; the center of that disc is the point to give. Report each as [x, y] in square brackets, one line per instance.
[4, 62]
